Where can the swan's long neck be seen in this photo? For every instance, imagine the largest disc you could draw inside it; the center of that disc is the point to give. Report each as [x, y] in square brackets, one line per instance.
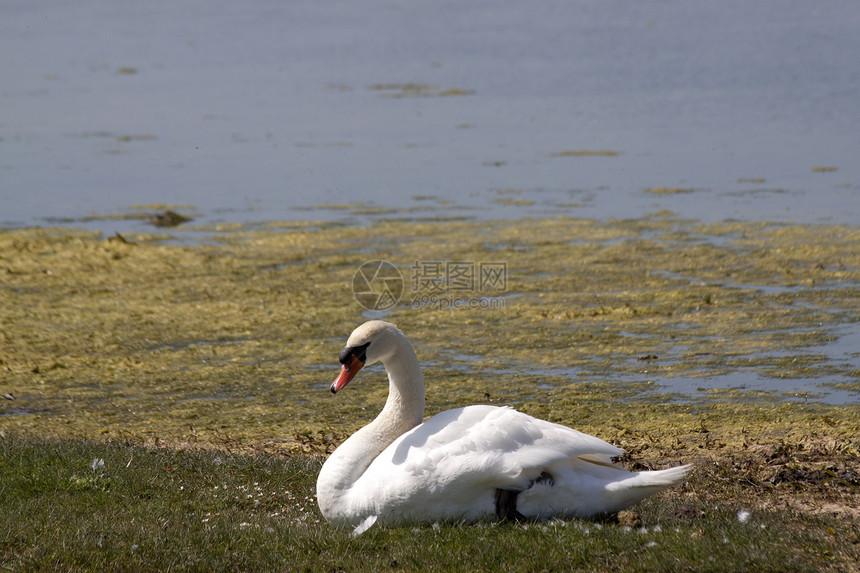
[403, 410]
[405, 404]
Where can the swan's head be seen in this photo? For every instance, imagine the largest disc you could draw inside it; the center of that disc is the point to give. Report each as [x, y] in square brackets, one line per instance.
[371, 342]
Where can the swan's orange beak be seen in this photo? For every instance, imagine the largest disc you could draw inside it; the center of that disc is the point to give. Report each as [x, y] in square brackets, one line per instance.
[347, 373]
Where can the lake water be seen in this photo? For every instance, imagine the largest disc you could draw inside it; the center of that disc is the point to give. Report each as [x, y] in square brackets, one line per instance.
[349, 111]
[267, 110]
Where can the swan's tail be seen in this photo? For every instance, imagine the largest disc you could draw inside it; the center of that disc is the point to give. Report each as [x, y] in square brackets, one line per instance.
[640, 485]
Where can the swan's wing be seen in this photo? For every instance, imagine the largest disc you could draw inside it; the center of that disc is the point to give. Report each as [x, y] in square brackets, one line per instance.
[460, 455]
[506, 446]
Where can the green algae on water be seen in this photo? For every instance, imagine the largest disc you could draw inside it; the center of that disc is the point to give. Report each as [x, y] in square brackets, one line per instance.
[239, 338]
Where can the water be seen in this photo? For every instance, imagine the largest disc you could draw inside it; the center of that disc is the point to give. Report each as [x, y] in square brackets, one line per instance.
[257, 111]
[350, 111]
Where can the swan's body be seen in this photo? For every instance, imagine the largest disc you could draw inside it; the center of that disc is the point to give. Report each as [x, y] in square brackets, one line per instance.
[467, 464]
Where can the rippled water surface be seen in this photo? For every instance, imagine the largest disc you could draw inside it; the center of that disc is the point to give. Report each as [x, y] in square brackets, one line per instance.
[265, 110]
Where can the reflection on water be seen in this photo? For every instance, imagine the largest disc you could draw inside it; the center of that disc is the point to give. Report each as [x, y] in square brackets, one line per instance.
[351, 111]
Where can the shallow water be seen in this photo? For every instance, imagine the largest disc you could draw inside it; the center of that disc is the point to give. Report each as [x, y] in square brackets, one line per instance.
[351, 111]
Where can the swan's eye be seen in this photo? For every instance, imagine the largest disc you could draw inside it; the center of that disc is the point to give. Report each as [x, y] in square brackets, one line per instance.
[348, 352]
[361, 352]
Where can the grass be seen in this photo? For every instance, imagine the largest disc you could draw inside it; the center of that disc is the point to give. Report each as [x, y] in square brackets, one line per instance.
[149, 508]
[167, 508]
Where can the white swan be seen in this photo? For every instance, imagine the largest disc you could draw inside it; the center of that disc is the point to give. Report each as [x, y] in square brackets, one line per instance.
[468, 464]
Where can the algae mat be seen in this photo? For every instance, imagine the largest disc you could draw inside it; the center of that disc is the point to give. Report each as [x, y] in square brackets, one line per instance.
[582, 322]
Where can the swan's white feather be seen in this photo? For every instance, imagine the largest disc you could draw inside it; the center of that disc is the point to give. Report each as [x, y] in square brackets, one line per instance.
[366, 524]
